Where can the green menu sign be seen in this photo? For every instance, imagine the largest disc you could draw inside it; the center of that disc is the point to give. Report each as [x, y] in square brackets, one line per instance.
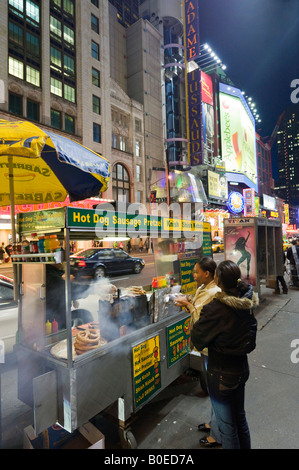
[178, 340]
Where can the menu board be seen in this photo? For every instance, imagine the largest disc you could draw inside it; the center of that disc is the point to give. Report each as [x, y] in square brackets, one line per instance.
[178, 340]
[146, 369]
[188, 285]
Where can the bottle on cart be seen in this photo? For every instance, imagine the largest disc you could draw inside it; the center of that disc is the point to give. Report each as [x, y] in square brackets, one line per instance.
[54, 326]
[41, 248]
[34, 246]
[48, 328]
[26, 249]
[47, 247]
[54, 244]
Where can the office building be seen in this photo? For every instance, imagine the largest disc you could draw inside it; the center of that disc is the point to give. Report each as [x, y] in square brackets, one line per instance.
[287, 184]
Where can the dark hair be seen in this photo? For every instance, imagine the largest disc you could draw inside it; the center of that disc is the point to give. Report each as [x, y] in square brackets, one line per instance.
[229, 275]
[207, 264]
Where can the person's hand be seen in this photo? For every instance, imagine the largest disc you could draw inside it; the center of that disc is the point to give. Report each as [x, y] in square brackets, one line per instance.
[182, 302]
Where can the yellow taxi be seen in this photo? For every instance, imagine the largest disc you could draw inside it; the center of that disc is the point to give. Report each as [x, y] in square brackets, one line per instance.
[286, 245]
[217, 246]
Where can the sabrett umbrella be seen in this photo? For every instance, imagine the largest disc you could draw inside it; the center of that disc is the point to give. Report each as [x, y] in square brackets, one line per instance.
[38, 166]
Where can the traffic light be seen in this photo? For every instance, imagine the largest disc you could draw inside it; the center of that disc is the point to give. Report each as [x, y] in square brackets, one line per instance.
[153, 196]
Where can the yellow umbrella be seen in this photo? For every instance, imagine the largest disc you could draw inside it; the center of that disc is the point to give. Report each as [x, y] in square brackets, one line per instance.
[38, 166]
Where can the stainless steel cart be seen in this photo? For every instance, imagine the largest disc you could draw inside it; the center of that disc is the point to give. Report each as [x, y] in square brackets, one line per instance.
[70, 389]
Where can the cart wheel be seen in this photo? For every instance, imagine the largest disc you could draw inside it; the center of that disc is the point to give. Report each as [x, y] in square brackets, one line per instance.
[128, 440]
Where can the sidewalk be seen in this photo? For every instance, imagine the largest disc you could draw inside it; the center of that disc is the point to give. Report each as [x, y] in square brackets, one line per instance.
[170, 420]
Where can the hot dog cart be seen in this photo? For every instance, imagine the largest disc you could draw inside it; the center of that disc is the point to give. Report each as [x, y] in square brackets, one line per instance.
[150, 351]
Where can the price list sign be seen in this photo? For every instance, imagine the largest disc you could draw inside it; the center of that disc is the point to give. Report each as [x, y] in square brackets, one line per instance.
[146, 369]
[178, 340]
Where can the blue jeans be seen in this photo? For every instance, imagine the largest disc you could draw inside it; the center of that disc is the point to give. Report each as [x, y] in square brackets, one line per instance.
[214, 433]
[227, 390]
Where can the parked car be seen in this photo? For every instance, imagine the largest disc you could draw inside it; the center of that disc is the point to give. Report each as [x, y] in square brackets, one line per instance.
[8, 316]
[101, 262]
[217, 246]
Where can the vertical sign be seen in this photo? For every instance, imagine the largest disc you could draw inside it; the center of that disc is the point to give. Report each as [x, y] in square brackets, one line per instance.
[191, 39]
[178, 340]
[207, 116]
[146, 369]
[191, 29]
[194, 117]
[249, 202]
[286, 214]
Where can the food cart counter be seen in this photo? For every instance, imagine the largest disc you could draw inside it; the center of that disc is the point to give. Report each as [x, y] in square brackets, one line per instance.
[68, 386]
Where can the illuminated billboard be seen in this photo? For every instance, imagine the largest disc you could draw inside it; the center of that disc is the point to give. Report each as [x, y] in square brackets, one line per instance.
[237, 128]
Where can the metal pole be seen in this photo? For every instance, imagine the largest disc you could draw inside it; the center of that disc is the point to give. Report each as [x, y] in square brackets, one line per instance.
[68, 298]
[12, 217]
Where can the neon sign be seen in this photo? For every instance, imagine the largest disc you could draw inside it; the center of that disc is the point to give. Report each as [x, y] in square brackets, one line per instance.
[235, 202]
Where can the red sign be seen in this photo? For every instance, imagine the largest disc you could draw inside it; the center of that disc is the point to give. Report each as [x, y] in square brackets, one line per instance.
[206, 88]
[86, 204]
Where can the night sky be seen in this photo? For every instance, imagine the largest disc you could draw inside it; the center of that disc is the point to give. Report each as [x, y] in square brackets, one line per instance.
[258, 41]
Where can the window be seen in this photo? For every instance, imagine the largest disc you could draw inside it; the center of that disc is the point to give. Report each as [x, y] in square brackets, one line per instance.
[15, 33]
[137, 148]
[96, 77]
[32, 76]
[32, 110]
[55, 57]
[68, 7]
[69, 65]
[68, 35]
[114, 141]
[32, 44]
[95, 50]
[120, 183]
[69, 124]
[18, 4]
[69, 93]
[94, 23]
[55, 119]
[96, 133]
[15, 104]
[16, 67]
[119, 254]
[55, 26]
[95, 2]
[137, 125]
[32, 10]
[56, 86]
[96, 104]
[138, 174]
[122, 143]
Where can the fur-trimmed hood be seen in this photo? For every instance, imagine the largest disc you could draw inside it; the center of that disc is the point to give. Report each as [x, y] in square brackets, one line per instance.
[249, 300]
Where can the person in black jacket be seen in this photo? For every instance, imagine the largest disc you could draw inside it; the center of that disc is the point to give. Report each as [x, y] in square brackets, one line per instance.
[228, 328]
[293, 257]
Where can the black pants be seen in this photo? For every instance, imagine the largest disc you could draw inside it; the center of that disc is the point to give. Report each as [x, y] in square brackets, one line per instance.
[281, 280]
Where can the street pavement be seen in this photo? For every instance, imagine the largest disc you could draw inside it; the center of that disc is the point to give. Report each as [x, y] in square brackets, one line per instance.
[170, 420]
